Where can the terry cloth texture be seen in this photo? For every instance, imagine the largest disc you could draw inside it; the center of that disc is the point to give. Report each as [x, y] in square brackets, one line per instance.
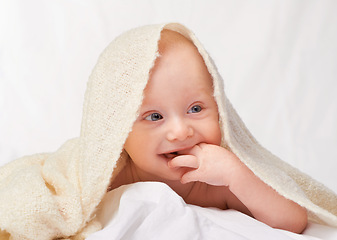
[55, 195]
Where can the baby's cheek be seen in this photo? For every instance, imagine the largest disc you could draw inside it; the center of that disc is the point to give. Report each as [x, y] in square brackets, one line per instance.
[217, 135]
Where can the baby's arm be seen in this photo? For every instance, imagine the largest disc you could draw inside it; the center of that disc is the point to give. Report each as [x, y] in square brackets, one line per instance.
[217, 166]
[265, 204]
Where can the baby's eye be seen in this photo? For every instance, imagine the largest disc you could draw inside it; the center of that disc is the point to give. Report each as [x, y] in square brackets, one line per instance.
[195, 109]
[154, 117]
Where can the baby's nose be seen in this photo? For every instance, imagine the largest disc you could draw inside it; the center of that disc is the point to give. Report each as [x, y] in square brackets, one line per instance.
[179, 130]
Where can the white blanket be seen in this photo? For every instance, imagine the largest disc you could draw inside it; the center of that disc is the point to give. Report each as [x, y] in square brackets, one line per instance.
[153, 211]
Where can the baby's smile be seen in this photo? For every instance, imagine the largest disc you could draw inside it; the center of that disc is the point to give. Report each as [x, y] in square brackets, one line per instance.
[171, 155]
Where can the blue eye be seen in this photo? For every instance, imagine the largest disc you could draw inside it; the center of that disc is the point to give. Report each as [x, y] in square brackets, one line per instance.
[195, 109]
[154, 117]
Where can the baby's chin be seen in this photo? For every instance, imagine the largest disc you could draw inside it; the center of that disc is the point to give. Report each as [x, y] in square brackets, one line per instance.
[171, 175]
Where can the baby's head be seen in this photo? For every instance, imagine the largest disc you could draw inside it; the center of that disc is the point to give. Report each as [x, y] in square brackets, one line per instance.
[178, 109]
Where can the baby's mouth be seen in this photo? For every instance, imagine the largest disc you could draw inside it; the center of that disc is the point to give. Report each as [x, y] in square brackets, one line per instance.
[171, 155]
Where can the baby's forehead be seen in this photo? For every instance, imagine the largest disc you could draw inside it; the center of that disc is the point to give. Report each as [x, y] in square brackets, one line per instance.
[171, 41]
[179, 61]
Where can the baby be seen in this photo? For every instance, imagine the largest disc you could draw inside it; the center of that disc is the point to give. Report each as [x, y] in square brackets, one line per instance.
[176, 140]
[156, 111]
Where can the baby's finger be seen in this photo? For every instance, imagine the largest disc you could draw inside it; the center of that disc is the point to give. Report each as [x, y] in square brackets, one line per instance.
[192, 151]
[190, 176]
[189, 161]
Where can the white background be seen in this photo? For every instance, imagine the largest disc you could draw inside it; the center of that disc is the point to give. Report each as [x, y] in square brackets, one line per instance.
[278, 59]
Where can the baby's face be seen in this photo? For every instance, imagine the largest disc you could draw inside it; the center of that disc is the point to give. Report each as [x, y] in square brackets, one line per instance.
[178, 112]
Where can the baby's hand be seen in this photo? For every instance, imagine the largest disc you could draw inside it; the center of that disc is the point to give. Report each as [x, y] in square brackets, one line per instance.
[208, 163]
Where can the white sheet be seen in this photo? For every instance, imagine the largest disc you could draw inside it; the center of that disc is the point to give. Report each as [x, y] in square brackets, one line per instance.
[152, 210]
